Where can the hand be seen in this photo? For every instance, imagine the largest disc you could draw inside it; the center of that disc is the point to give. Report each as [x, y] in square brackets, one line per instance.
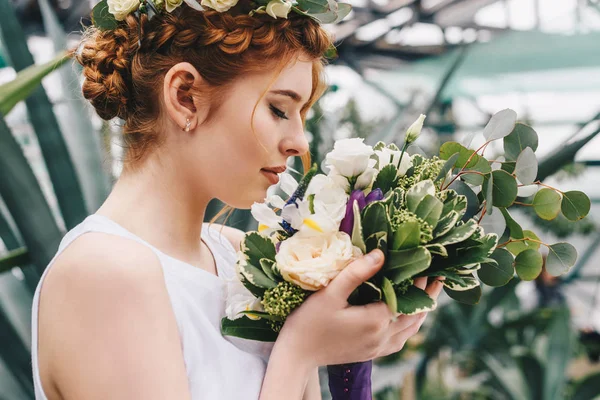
[326, 330]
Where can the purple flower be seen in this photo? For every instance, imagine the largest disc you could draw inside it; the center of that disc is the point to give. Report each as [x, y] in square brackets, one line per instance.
[348, 221]
[375, 195]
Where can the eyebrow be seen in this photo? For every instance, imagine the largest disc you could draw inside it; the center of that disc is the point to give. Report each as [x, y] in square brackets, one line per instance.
[289, 93]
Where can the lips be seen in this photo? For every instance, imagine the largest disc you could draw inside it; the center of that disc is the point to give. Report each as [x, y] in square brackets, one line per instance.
[271, 176]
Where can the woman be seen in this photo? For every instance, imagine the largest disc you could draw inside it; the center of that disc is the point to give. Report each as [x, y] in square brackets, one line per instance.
[214, 105]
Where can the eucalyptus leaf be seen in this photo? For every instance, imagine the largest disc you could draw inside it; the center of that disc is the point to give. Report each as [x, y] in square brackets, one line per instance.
[448, 166]
[414, 301]
[517, 247]
[472, 175]
[561, 257]
[521, 137]
[313, 6]
[528, 264]
[504, 189]
[516, 231]
[448, 150]
[498, 274]
[500, 125]
[488, 191]
[575, 205]
[527, 166]
[547, 203]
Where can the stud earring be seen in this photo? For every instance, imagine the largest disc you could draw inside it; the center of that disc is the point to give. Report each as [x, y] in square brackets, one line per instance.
[188, 124]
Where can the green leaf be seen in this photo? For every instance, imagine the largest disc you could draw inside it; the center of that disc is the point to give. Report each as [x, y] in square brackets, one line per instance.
[521, 137]
[389, 295]
[314, 6]
[497, 274]
[102, 19]
[575, 205]
[516, 247]
[436, 248]
[559, 352]
[343, 9]
[448, 166]
[263, 315]
[469, 282]
[504, 188]
[527, 166]
[374, 221]
[447, 222]
[366, 293]
[501, 124]
[267, 267]
[414, 301]
[256, 276]
[483, 167]
[458, 234]
[547, 203]
[14, 258]
[470, 297]
[406, 236]
[403, 264]
[488, 190]
[256, 247]
[429, 210]
[516, 231]
[561, 257]
[248, 329]
[448, 150]
[386, 178]
[587, 388]
[357, 233]
[26, 82]
[528, 264]
[472, 202]
[415, 194]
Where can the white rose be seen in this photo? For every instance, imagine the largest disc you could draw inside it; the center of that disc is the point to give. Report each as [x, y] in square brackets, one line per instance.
[122, 8]
[278, 8]
[350, 157]
[170, 5]
[313, 261]
[219, 5]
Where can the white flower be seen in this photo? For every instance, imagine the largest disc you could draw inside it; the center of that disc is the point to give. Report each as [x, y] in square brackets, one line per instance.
[330, 194]
[122, 8]
[279, 8]
[171, 5]
[365, 180]
[313, 261]
[268, 220]
[414, 130]
[350, 157]
[388, 156]
[219, 5]
[239, 298]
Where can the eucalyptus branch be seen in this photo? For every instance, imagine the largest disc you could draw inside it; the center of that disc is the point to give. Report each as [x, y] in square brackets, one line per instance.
[523, 204]
[522, 240]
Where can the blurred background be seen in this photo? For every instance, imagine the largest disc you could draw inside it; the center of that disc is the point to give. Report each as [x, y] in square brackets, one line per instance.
[459, 62]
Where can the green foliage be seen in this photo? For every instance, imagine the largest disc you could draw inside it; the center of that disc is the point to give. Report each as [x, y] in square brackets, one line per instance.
[528, 264]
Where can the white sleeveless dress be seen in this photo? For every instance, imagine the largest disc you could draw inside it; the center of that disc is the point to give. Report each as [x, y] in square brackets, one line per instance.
[218, 367]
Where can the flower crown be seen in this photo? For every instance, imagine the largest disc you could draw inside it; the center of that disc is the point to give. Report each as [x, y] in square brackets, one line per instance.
[107, 14]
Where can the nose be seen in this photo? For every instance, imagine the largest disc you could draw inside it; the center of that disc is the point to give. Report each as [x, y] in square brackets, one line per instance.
[295, 142]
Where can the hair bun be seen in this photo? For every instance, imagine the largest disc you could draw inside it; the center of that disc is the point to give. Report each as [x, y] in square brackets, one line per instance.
[105, 57]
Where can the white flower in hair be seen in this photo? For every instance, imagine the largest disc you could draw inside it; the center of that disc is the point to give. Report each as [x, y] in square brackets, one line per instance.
[171, 5]
[279, 8]
[219, 5]
[122, 8]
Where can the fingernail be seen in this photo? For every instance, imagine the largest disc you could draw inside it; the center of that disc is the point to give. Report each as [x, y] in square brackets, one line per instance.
[374, 256]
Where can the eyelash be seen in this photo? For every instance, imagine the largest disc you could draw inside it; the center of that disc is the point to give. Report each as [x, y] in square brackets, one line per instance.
[278, 113]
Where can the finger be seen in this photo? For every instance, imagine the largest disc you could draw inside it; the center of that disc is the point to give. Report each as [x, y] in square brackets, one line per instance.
[354, 274]
[403, 322]
[421, 282]
[434, 289]
[398, 340]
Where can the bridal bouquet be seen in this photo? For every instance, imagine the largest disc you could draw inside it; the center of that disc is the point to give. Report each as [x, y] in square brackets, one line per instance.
[424, 213]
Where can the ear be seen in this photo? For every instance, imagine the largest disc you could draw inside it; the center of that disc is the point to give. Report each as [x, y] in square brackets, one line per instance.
[180, 105]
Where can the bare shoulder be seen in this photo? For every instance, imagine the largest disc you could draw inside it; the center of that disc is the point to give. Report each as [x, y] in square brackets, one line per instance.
[105, 300]
[234, 235]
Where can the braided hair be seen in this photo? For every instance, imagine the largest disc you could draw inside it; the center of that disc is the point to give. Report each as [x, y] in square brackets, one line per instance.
[124, 67]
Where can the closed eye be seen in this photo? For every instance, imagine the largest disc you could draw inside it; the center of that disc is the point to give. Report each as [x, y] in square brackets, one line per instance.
[278, 113]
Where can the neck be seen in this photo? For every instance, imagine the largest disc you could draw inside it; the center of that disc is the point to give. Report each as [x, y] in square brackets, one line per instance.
[156, 205]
